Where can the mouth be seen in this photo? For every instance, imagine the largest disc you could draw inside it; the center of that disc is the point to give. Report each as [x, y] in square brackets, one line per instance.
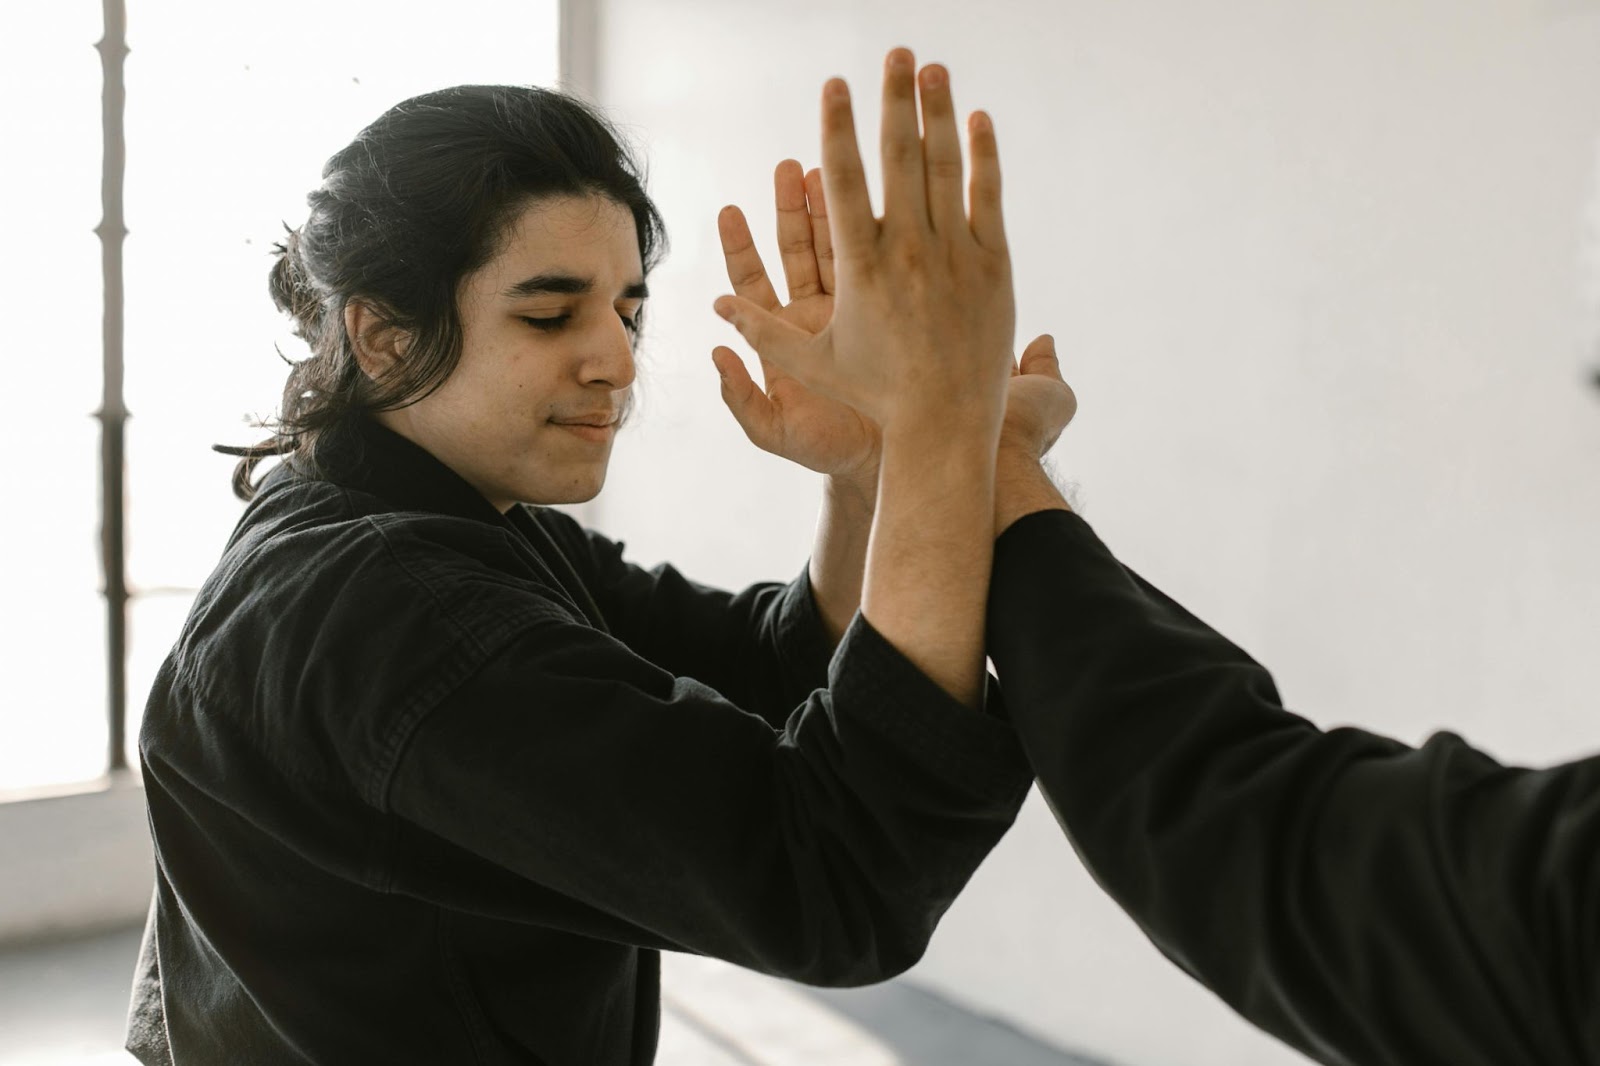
[591, 430]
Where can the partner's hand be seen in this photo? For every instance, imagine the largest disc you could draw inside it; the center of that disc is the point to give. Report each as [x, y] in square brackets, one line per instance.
[782, 416]
[924, 317]
[1039, 403]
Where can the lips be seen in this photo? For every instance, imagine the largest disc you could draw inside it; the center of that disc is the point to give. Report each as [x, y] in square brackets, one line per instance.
[597, 421]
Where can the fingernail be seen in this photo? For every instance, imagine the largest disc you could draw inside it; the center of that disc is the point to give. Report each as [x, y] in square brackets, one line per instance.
[933, 77]
[836, 89]
[724, 307]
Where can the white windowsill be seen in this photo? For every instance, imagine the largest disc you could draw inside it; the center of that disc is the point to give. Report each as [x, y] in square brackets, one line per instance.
[73, 859]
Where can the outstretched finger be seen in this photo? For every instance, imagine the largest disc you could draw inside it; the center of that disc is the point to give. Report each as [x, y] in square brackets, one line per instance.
[854, 225]
[941, 152]
[786, 346]
[905, 196]
[821, 237]
[795, 239]
[987, 224]
[746, 271]
[749, 405]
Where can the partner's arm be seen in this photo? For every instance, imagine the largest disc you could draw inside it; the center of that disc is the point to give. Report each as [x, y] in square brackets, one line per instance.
[1362, 900]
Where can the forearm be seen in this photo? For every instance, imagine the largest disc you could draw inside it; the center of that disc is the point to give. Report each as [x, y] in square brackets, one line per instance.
[1022, 487]
[930, 552]
[1281, 865]
[839, 553]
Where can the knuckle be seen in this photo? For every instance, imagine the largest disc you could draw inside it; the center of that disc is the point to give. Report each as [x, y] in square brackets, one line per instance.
[909, 256]
[899, 150]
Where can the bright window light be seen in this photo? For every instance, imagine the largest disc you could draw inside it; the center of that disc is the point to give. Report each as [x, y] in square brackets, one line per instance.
[231, 111]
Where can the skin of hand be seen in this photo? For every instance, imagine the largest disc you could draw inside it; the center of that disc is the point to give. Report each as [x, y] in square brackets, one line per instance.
[782, 416]
[924, 313]
[1039, 402]
[919, 343]
[787, 419]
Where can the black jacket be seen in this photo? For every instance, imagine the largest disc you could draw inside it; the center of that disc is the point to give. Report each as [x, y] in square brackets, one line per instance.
[429, 784]
[1364, 901]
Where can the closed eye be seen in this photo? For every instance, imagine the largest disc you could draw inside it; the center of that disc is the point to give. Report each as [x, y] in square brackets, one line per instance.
[557, 322]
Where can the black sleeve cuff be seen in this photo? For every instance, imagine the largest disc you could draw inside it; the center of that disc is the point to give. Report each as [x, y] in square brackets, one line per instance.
[802, 647]
[888, 693]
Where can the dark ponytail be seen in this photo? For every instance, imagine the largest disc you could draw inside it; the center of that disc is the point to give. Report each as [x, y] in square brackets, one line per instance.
[420, 199]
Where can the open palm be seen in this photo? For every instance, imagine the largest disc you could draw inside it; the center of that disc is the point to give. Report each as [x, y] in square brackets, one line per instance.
[782, 416]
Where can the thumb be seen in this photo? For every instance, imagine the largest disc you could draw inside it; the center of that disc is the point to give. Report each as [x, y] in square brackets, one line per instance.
[1039, 357]
[748, 404]
[771, 337]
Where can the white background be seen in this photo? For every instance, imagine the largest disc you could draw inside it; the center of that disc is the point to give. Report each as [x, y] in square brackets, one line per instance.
[1323, 275]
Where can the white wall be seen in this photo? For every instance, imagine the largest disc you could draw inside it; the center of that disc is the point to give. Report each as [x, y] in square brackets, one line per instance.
[1317, 271]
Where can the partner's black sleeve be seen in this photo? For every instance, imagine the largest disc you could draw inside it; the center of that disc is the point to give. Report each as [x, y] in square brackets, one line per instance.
[1364, 901]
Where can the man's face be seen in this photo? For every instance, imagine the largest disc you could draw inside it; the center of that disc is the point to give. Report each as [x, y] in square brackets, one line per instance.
[530, 412]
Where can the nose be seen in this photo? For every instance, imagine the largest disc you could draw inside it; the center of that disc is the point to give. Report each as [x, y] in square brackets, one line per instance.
[609, 360]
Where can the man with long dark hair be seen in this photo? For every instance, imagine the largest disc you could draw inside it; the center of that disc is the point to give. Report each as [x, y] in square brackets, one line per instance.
[432, 772]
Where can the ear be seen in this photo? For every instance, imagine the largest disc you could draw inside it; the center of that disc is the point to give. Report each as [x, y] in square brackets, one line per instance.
[377, 343]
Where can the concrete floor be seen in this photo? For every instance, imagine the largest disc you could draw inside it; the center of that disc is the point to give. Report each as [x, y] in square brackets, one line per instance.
[63, 1005]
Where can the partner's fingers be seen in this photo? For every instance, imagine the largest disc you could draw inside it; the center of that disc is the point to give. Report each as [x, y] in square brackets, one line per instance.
[1039, 357]
[987, 224]
[749, 405]
[941, 151]
[905, 198]
[854, 225]
[821, 238]
[795, 237]
[746, 272]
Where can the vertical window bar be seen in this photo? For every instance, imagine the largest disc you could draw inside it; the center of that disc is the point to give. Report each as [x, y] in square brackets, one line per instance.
[113, 416]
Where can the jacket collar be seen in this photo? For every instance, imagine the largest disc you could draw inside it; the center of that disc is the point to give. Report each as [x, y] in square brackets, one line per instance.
[363, 455]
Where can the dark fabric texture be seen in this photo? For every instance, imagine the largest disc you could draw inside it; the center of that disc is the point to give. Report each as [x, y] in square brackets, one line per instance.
[429, 784]
[1364, 901]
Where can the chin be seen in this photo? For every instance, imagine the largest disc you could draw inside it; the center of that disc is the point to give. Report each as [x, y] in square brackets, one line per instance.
[579, 489]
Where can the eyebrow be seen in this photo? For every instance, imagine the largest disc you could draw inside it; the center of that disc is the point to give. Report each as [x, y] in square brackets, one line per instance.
[567, 285]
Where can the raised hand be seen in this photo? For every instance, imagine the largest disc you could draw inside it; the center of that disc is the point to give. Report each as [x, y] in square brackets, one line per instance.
[924, 316]
[782, 416]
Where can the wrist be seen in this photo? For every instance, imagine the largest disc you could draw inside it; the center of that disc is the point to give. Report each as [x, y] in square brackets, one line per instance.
[1021, 488]
[854, 492]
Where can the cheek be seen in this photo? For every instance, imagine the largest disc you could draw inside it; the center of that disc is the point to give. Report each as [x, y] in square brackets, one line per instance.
[507, 381]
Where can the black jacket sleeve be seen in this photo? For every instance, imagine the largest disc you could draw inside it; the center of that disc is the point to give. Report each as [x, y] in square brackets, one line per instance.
[1364, 901]
[574, 784]
[764, 648]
